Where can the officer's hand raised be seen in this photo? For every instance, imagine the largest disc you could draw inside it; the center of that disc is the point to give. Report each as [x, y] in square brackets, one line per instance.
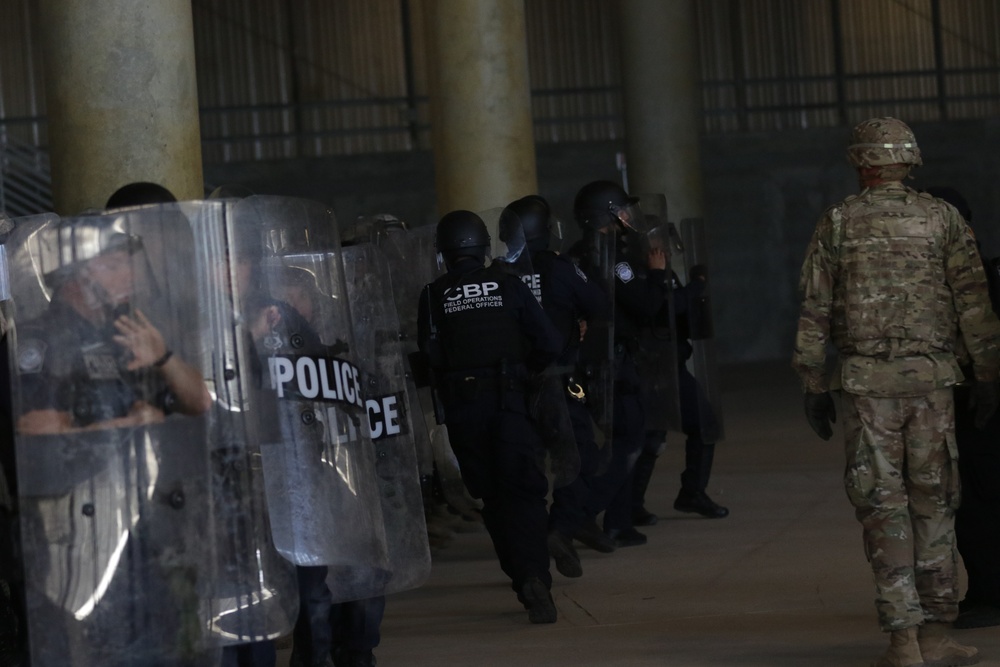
[820, 412]
[141, 339]
[657, 258]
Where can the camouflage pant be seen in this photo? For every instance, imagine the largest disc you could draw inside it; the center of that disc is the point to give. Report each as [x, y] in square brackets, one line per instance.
[902, 478]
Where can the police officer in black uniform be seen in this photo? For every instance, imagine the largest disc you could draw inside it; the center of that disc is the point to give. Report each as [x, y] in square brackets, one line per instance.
[603, 207]
[568, 297]
[484, 335]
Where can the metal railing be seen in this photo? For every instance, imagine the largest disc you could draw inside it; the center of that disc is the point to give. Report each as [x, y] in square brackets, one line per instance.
[25, 179]
[746, 104]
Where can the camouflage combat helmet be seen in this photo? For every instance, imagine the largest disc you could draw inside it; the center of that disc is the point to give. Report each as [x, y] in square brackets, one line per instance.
[881, 141]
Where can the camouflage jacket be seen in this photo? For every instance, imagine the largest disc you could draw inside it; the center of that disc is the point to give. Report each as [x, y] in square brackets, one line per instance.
[893, 279]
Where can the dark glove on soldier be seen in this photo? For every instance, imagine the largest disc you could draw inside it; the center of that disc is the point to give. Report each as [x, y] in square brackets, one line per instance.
[984, 402]
[820, 413]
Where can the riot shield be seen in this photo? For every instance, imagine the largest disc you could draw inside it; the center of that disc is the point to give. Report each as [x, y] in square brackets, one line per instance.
[113, 476]
[656, 357]
[414, 262]
[319, 463]
[547, 393]
[703, 364]
[387, 232]
[594, 376]
[376, 332]
[255, 596]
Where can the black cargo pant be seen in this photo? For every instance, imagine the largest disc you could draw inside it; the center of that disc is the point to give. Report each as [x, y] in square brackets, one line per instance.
[312, 635]
[498, 452]
[356, 625]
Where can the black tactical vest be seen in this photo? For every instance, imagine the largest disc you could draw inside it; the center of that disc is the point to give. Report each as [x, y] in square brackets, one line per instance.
[474, 318]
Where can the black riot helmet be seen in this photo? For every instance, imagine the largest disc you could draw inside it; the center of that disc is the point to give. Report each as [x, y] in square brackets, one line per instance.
[534, 215]
[462, 234]
[601, 204]
[140, 193]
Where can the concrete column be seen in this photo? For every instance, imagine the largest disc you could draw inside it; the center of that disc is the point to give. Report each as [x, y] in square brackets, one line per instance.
[660, 74]
[480, 102]
[122, 98]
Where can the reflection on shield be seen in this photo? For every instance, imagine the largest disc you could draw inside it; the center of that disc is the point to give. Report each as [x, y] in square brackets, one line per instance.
[414, 262]
[255, 593]
[113, 487]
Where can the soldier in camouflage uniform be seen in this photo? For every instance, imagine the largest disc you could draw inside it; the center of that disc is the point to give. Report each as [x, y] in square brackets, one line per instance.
[893, 278]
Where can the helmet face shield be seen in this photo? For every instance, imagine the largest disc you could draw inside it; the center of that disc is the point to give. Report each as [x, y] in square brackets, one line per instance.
[601, 204]
[630, 216]
[557, 230]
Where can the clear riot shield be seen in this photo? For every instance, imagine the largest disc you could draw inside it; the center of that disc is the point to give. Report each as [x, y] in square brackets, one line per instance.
[414, 262]
[547, 395]
[657, 355]
[703, 364]
[255, 594]
[386, 232]
[319, 462]
[113, 477]
[594, 376]
[380, 350]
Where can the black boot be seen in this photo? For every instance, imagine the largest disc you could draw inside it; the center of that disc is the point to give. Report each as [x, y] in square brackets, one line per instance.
[627, 537]
[698, 458]
[592, 536]
[564, 554]
[344, 657]
[643, 472]
[537, 600]
[698, 502]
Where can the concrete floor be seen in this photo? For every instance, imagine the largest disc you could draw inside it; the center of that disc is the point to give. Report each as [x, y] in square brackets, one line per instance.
[782, 581]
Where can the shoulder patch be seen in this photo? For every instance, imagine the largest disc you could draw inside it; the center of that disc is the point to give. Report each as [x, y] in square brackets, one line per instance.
[624, 272]
[580, 273]
[30, 356]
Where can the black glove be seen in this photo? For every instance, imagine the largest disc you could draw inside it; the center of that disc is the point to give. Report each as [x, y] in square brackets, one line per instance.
[820, 413]
[983, 402]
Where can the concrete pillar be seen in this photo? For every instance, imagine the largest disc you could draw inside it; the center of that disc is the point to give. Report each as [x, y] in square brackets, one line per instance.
[480, 103]
[662, 100]
[122, 98]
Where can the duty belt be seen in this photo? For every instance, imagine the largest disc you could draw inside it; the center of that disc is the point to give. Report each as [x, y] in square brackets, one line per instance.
[471, 385]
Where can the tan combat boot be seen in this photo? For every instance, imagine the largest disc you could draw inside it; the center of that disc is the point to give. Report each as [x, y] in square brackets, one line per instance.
[939, 650]
[903, 651]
